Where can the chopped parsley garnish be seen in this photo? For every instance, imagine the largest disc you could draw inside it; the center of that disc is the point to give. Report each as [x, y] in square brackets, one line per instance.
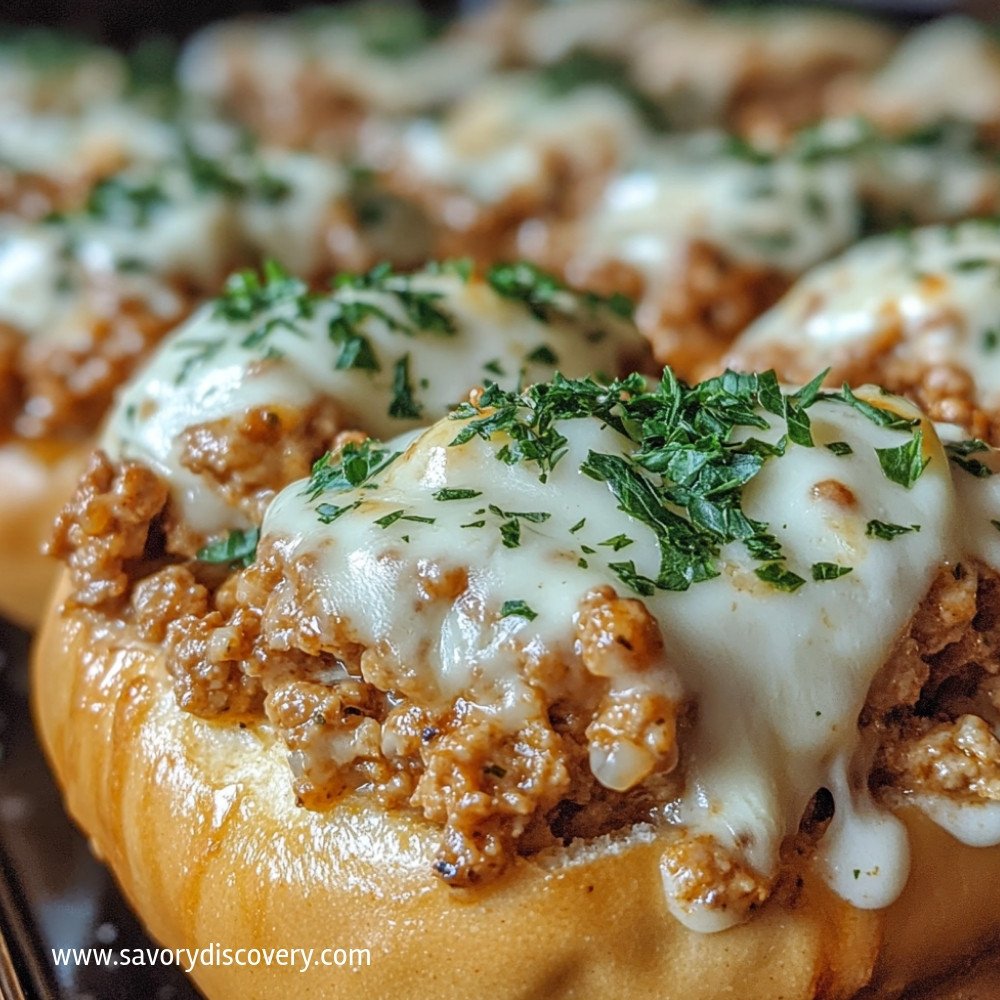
[779, 577]
[356, 350]
[887, 532]
[456, 494]
[543, 355]
[237, 548]
[618, 542]
[355, 465]
[199, 352]
[518, 609]
[586, 68]
[422, 312]
[126, 203]
[494, 367]
[685, 477]
[991, 339]
[328, 512]
[878, 416]
[248, 295]
[959, 451]
[401, 515]
[545, 296]
[212, 176]
[829, 571]
[840, 448]
[630, 576]
[579, 524]
[904, 464]
[403, 405]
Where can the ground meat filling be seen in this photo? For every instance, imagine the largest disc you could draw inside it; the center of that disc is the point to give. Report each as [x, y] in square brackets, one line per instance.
[932, 709]
[53, 389]
[105, 531]
[249, 457]
[692, 319]
[945, 392]
[259, 642]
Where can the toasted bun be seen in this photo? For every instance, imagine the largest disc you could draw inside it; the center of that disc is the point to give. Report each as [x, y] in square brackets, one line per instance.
[35, 481]
[198, 823]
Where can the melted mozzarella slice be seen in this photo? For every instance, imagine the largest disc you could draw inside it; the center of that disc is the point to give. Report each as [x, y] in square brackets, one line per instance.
[931, 296]
[778, 677]
[294, 355]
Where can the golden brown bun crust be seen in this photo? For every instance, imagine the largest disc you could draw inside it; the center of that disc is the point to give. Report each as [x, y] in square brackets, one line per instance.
[33, 487]
[198, 823]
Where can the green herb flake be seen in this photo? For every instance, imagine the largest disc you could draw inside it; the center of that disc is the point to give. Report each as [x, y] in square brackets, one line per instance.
[403, 405]
[886, 531]
[238, 548]
[617, 542]
[829, 571]
[904, 464]
[779, 577]
[401, 515]
[446, 493]
[517, 609]
[958, 452]
[328, 512]
[840, 448]
[355, 466]
[543, 355]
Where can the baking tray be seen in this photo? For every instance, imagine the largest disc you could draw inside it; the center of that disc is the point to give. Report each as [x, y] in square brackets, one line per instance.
[53, 892]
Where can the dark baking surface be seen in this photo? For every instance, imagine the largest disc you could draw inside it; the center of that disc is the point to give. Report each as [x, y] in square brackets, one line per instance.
[53, 892]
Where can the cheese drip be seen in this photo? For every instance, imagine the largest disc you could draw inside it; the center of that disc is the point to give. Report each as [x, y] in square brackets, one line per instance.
[932, 296]
[779, 677]
[292, 353]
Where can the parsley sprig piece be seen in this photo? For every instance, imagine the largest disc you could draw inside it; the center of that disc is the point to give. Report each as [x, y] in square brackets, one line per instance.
[354, 465]
[546, 297]
[586, 68]
[905, 463]
[959, 452]
[249, 294]
[685, 476]
[238, 548]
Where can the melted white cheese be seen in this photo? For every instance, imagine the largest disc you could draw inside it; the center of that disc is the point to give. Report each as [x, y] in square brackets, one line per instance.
[56, 279]
[279, 54]
[697, 62]
[948, 69]
[779, 678]
[49, 294]
[493, 341]
[503, 135]
[785, 213]
[45, 71]
[610, 27]
[937, 288]
[70, 146]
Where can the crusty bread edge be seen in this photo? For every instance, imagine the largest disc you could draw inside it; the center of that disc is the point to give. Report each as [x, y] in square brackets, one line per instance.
[199, 825]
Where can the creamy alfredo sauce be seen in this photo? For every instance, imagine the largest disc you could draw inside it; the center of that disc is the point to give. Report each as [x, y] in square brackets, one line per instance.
[935, 290]
[362, 346]
[779, 670]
